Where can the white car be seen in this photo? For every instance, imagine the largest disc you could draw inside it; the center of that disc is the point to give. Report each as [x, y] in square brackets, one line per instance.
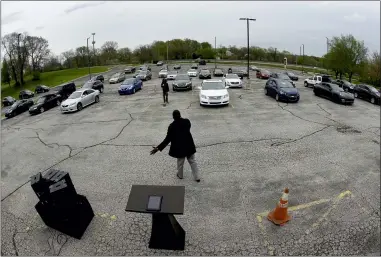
[213, 92]
[192, 73]
[172, 75]
[163, 73]
[117, 77]
[232, 80]
[79, 99]
[311, 81]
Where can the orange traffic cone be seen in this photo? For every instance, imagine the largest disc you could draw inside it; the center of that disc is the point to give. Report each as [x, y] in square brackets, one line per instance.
[279, 215]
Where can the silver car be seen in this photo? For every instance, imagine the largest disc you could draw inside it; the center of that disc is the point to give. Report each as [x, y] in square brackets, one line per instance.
[163, 73]
[79, 99]
[117, 77]
[172, 75]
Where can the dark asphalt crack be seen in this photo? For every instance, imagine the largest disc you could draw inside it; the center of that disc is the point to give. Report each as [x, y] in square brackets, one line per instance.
[293, 114]
[300, 138]
[51, 144]
[243, 141]
[324, 109]
[14, 243]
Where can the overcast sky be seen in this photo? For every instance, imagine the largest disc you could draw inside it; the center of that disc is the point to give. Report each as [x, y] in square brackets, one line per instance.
[284, 25]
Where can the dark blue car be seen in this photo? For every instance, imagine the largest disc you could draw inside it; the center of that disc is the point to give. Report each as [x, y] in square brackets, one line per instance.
[130, 86]
[282, 90]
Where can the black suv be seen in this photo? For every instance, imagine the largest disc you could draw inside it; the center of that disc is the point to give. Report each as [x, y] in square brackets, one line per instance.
[66, 90]
[202, 62]
[96, 85]
[194, 66]
[205, 74]
[98, 77]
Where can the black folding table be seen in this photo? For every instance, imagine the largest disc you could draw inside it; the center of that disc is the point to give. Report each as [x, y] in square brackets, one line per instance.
[166, 232]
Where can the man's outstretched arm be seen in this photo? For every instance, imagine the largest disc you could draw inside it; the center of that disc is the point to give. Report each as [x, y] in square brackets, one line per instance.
[163, 144]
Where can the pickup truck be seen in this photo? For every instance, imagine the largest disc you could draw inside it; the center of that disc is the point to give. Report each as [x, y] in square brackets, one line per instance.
[312, 81]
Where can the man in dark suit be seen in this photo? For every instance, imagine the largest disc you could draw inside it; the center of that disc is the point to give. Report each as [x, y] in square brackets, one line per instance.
[182, 144]
[165, 87]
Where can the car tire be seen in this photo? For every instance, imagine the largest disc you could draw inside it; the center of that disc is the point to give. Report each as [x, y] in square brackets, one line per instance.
[42, 110]
[373, 100]
[101, 90]
[356, 95]
[58, 102]
[79, 107]
[266, 92]
[133, 91]
[277, 97]
[97, 99]
[315, 92]
[305, 84]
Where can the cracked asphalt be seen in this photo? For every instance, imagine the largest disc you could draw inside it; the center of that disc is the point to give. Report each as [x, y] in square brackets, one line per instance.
[247, 153]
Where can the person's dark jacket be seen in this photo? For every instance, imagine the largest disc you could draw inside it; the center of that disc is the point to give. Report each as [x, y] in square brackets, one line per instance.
[164, 86]
[180, 137]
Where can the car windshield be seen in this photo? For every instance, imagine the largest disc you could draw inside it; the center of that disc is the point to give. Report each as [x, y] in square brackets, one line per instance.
[373, 89]
[336, 87]
[143, 72]
[192, 70]
[205, 71]
[282, 76]
[115, 75]
[213, 85]
[265, 72]
[88, 84]
[128, 81]
[172, 73]
[182, 77]
[41, 100]
[285, 84]
[75, 95]
[163, 71]
[217, 70]
[291, 74]
[15, 104]
[232, 76]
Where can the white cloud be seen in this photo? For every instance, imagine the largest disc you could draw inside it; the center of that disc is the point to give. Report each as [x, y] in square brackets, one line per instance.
[355, 17]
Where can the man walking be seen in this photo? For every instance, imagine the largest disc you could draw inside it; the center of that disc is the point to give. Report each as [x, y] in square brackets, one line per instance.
[182, 144]
[165, 87]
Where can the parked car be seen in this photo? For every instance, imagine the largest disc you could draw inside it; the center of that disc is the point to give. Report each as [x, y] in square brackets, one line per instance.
[367, 92]
[202, 62]
[98, 77]
[205, 74]
[240, 73]
[144, 75]
[177, 67]
[117, 77]
[182, 82]
[192, 73]
[171, 75]
[263, 74]
[347, 86]
[163, 73]
[79, 99]
[194, 66]
[25, 94]
[333, 92]
[218, 73]
[282, 77]
[18, 107]
[213, 92]
[145, 67]
[66, 90]
[312, 81]
[96, 85]
[41, 89]
[254, 68]
[129, 69]
[45, 102]
[232, 80]
[8, 100]
[160, 63]
[282, 90]
[130, 86]
[291, 75]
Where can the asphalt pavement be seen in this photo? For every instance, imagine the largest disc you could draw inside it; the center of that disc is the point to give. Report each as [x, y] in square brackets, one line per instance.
[327, 154]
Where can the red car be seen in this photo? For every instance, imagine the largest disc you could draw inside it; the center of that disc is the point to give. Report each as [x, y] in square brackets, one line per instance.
[263, 74]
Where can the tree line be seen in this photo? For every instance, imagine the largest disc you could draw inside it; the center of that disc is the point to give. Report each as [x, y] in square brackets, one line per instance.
[25, 54]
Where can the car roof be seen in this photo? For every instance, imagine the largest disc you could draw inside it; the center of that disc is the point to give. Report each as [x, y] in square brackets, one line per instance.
[212, 80]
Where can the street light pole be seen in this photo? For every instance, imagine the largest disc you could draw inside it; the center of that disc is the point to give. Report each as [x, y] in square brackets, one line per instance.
[167, 52]
[303, 60]
[248, 44]
[88, 56]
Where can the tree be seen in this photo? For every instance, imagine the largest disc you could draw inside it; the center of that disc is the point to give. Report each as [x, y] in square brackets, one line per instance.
[68, 58]
[109, 50]
[38, 48]
[5, 74]
[124, 55]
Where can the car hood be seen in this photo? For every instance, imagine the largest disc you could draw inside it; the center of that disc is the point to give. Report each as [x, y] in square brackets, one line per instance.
[289, 90]
[192, 71]
[232, 80]
[346, 95]
[124, 86]
[70, 101]
[163, 72]
[218, 92]
[172, 75]
[35, 106]
[113, 78]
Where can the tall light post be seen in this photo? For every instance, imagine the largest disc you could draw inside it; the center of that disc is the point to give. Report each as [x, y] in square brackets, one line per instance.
[215, 52]
[88, 56]
[167, 52]
[248, 44]
[303, 57]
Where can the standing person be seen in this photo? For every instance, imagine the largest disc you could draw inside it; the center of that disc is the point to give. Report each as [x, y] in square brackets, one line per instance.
[182, 144]
[165, 87]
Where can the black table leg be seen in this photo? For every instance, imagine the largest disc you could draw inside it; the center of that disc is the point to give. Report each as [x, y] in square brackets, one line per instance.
[166, 233]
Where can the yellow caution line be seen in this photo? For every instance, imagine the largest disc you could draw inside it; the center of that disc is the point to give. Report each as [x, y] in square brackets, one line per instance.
[270, 249]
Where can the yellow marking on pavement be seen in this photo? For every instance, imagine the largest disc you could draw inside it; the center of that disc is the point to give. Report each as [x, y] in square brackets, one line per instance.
[270, 249]
[232, 105]
[104, 215]
[113, 217]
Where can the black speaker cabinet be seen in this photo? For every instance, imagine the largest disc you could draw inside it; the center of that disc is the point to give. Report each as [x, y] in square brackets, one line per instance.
[39, 185]
[71, 220]
[61, 192]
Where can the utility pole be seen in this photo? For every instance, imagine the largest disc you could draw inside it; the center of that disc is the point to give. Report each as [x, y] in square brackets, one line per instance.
[93, 48]
[327, 52]
[303, 60]
[88, 56]
[248, 44]
[167, 52]
[215, 52]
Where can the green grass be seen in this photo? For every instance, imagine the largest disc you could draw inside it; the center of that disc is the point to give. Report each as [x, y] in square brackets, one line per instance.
[50, 79]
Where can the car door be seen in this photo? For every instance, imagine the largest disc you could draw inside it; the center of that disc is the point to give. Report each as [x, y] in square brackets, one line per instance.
[85, 98]
[367, 93]
[89, 96]
[273, 88]
[327, 90]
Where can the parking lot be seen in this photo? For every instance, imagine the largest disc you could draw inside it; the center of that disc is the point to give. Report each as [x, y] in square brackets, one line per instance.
[327, 154]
